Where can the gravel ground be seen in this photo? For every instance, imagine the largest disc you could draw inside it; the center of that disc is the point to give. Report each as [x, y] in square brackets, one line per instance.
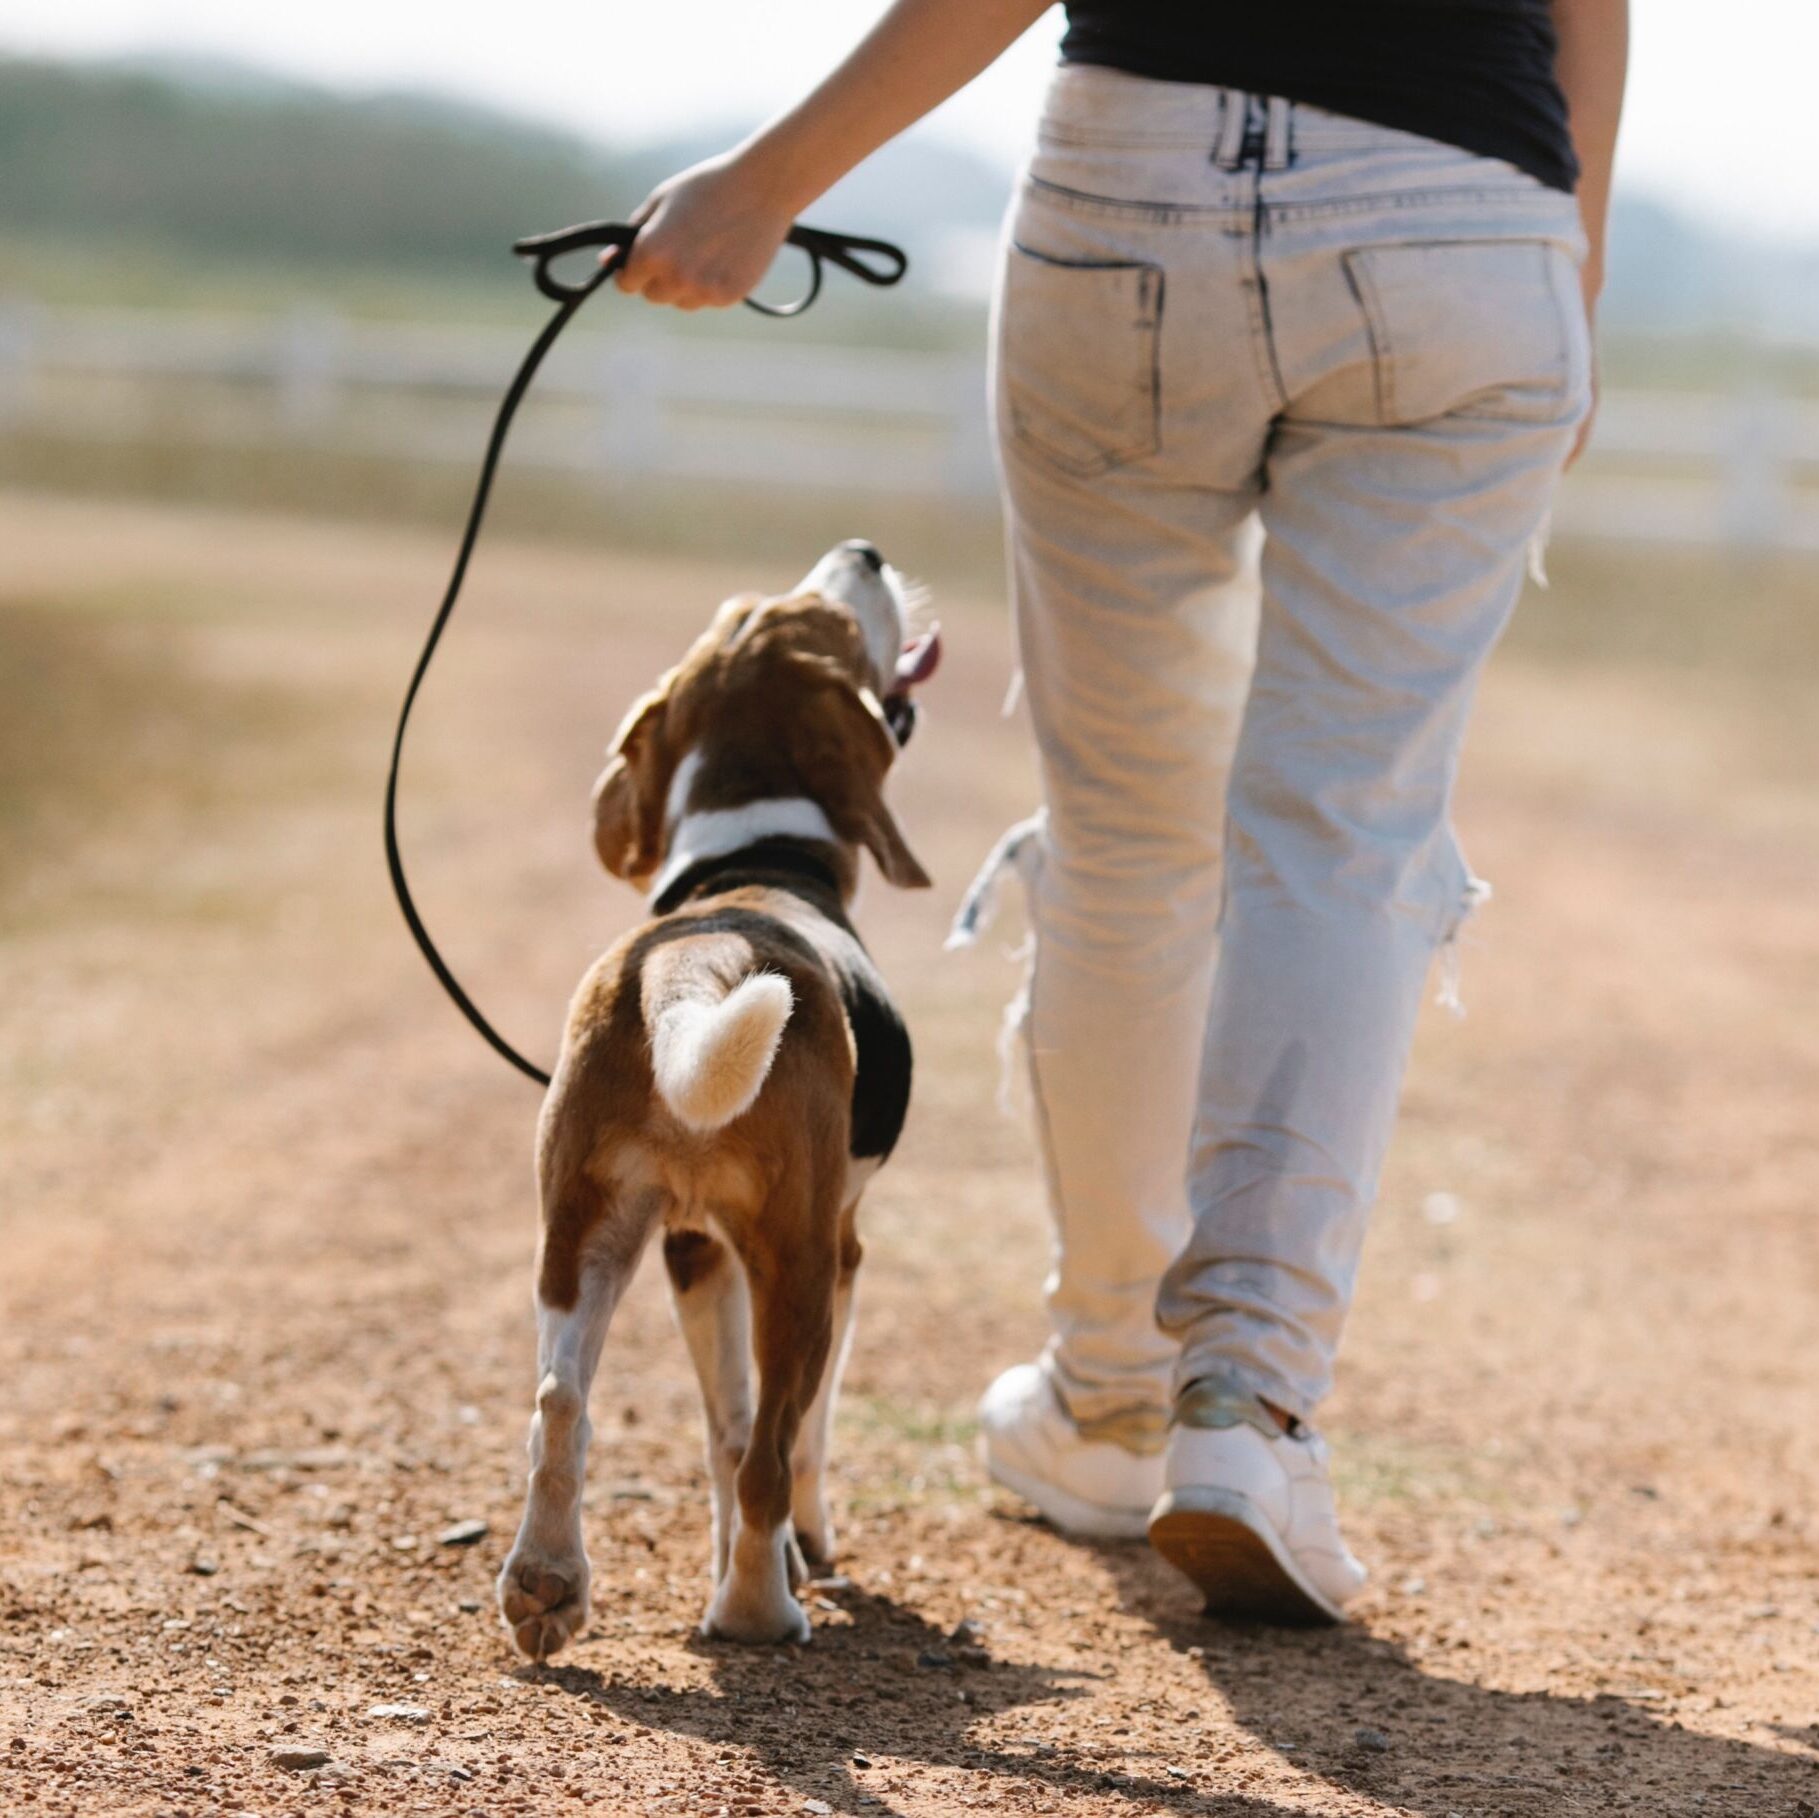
[264, 1315]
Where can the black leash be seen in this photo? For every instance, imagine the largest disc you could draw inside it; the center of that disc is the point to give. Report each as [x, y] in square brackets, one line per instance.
[875, 261]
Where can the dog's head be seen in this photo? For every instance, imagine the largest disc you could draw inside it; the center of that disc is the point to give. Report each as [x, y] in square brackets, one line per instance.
[803, 697]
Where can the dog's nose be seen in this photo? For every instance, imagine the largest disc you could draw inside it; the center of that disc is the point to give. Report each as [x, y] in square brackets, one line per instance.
[866, 552]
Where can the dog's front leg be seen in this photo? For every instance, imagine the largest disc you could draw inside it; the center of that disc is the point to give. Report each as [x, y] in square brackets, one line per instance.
[543, 1588]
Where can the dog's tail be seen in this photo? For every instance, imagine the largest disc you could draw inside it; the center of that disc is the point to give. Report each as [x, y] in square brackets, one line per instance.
[712, 1045]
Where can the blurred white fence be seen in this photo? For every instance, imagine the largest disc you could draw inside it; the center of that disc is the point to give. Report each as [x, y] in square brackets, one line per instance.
[1676, 467]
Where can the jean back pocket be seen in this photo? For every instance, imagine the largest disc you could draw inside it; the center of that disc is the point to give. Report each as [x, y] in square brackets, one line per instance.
[1484, 328]
[1080, 358]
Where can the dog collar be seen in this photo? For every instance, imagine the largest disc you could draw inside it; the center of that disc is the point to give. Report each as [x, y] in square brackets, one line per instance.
[809, 861]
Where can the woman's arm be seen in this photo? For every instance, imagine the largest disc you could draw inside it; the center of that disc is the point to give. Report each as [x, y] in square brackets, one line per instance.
[1594, 61]
[710, 234]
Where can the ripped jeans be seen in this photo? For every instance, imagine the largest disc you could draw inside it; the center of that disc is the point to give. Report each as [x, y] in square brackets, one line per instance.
[1220, 311]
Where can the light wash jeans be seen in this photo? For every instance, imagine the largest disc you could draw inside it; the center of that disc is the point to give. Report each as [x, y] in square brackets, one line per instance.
[1218, 310]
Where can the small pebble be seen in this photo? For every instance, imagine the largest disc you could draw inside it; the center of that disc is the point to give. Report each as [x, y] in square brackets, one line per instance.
[469, 1606]
[298, 1759]
[967, 1634]
[462, 1534]
[860, 1760]
[399, 1713]
[1440, 1208]
[204, 1567]
[934, 1658]
[1373, 1742]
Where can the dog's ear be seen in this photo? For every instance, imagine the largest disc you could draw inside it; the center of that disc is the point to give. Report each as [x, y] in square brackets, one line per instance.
[732, 619]
[628, 797]
[842, 745]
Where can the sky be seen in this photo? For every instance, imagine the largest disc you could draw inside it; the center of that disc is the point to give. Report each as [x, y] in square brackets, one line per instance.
[1722, 117]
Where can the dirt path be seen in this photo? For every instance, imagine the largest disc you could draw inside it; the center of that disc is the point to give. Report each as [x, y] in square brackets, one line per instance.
[266, 1220]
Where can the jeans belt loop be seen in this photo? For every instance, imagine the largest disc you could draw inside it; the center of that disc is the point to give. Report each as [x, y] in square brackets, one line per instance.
[1276, 149]
[1234, 113]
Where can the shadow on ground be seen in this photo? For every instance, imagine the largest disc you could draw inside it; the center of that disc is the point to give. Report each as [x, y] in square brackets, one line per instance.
[1371, 1720]
[1366, 1719]
[811, 1716]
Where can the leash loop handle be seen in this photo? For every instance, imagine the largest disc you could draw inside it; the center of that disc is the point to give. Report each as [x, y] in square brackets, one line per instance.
[875, 262]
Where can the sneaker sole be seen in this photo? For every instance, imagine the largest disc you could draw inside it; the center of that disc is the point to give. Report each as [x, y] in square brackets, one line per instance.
[1219, 1540]
[1073, 1515]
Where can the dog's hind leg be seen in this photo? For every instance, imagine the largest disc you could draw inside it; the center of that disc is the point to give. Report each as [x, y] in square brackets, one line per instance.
[714, 1311]
[808, 1467]
[792, 1289]
[592, 1242]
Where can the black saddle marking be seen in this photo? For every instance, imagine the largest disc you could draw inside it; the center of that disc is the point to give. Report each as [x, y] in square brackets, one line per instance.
[881, 1043]
[881, 1076]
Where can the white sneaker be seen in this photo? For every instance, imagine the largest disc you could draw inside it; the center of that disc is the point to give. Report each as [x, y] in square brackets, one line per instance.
[1247, 1513]
[1093, 1489]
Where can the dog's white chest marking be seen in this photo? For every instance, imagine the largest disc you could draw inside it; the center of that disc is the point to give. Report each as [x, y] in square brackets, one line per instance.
[708, 833]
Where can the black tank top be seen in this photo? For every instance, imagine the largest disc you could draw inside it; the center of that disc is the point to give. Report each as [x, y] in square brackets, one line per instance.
[1473, 73]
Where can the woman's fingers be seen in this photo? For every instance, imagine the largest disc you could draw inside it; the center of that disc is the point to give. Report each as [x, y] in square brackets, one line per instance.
[702, 243]
[1588, 425]
[660, 276]
[633, 272]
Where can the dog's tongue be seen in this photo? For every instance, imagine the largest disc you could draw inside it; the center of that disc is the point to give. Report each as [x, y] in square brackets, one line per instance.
[919, 659]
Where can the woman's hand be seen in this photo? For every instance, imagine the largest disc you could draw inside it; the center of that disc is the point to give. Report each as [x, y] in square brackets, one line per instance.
[1591, 280]
[709, 235]
[706, 237]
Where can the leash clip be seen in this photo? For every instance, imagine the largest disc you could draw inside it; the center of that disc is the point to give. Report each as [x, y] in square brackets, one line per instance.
[875, 262]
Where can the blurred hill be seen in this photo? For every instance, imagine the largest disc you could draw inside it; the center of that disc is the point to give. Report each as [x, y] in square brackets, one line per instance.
[148, 179]
[166, 160]
[186, 158]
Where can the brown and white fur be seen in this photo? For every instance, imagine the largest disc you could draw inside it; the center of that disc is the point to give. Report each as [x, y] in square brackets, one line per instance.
[707, 1083]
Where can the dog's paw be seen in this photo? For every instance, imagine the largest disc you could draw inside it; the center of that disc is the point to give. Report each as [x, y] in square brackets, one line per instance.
[543, 1601]
[760, 1620]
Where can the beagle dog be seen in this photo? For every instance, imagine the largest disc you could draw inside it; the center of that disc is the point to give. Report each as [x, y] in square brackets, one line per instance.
[733, 1072]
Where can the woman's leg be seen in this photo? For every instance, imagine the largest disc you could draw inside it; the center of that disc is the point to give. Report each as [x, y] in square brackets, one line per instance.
[1136, 621]
[1136, 632]
[1394, 555]
[1393, 559]
[1132, 414]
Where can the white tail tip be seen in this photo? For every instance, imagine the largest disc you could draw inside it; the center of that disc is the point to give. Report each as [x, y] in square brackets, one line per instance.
[711, 1060]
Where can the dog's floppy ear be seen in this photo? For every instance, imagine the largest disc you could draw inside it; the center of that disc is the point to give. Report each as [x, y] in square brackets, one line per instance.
[628, 797]
[843, 746]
